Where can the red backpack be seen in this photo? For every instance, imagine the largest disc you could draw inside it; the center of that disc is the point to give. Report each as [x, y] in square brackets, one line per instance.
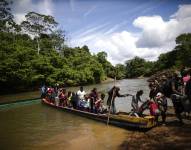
[154, 109]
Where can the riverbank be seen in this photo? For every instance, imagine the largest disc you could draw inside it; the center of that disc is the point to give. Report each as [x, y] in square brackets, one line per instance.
[171, 136]
[108, 80]
[19, 97]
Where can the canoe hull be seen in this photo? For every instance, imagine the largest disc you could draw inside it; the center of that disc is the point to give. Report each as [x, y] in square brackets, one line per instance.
[123, 121]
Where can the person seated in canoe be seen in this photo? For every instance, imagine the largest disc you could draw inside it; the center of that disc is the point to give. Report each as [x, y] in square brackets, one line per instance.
[74, 100]
[81, 95]
[112, 94]
[49, 95]
[93, 96]
[87, 103]
[63, 98]
[57, 99]
[99, 104]
[69, 97]
[84, 104]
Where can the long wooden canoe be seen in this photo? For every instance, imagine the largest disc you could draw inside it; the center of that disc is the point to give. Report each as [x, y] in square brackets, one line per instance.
[124, 121]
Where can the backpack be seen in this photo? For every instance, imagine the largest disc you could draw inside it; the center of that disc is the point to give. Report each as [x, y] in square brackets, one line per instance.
[154, 109]
[167, 88]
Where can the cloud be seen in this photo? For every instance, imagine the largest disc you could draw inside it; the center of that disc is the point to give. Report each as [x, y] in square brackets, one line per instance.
[156, 32]
[115, 27]
[156, 36]
[90, 30]
[22, 7]
[183, 12]
[90, 11]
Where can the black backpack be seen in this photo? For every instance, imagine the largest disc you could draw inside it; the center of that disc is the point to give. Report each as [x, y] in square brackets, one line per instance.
[167, 88]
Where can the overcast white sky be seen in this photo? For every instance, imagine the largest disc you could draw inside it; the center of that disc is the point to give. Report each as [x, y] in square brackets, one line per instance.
[122, 28]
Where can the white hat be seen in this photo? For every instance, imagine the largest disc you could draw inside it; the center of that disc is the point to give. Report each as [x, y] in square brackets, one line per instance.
[159, 94]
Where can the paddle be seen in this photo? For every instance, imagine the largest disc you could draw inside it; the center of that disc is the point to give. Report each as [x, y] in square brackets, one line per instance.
[112, 98]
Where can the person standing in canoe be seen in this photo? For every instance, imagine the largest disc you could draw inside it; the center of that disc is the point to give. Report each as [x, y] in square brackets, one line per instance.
[112, 94]
[93, 98]
[81, 95]
[134, 103]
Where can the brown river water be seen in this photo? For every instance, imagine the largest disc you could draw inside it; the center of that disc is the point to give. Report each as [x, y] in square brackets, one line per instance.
[31, 125]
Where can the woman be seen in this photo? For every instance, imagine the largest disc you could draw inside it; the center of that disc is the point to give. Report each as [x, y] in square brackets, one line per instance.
[63, 98]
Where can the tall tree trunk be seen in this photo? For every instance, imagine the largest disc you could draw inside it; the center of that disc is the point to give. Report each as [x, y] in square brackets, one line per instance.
[38, 44]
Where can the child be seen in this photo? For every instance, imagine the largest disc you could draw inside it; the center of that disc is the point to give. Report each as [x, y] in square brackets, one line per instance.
[99, 104]
[162, 104]
[154, 109]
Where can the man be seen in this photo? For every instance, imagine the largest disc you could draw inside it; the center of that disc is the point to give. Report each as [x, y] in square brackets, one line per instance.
[153, 91]
[112, 94]
[165, 86]
[81, 95]
[177, 97]
[43, 91]
[93, 98]
[134, 103]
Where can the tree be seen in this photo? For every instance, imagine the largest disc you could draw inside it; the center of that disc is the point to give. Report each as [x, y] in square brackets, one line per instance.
[120, 71]
[109, 69]
[184, 39]
[6, 17]
[85, 48]
[102, 57]
[37, 24]
[183, 49]
[135, 67]
[58, 39]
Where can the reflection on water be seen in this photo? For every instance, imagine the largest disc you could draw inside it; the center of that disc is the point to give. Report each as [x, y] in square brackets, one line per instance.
[36, 126]
[39, 127]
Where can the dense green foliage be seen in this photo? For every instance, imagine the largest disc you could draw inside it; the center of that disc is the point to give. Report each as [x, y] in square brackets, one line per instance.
[109, 70]
[177, 58]
[180, 56]
[27, 62]
[138, 67]
[22, 66]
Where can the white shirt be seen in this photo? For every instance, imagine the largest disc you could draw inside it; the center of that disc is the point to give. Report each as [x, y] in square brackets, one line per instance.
[81, 94]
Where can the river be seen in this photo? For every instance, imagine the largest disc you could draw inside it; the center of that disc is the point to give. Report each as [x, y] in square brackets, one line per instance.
[31, 125]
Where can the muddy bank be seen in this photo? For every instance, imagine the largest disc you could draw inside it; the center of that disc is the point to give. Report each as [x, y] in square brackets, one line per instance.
[171, 136]
[158, 75]
[168, 73]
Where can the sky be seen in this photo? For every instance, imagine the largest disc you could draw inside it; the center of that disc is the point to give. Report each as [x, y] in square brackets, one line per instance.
[122, 28]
